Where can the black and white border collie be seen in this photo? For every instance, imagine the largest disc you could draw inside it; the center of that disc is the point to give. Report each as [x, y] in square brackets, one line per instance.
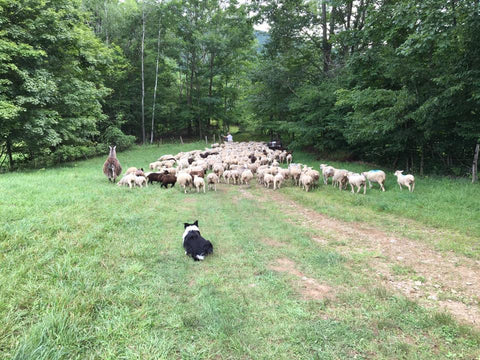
[195, 245]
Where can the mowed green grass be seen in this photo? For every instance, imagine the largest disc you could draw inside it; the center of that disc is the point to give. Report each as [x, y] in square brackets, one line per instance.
[89, 270]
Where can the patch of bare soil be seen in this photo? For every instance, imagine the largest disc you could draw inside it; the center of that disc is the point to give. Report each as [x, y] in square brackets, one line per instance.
[272, 242]
[309, 288]
[444, 280]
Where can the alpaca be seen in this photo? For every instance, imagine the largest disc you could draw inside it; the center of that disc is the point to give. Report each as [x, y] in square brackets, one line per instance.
[112, 167]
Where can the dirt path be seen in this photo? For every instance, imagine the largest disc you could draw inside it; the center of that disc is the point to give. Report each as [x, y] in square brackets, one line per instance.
[434, 279]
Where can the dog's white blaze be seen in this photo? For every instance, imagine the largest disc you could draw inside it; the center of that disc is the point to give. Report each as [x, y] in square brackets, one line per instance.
[200, 257]
[188, 229]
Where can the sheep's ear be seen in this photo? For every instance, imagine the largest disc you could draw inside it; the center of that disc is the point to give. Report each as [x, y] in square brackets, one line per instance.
[196, 223]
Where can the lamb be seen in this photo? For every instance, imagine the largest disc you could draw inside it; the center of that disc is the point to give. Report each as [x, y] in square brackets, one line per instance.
[295, 172]
[212, 179]
[406, 180]
[131, 170]
[340, 178]
[168, 179]
[289, 158]
[357, 180]
[112, 167]
[155, 165]
[246, 177]
[226, 176]
[154, 177]
[184, 180]
[327, 172]
[218, 169]
[277, 181]
[140, 181]
[199, 182]
[377, 176]
[235, 175]
[306, 181]
[268, 179]
[127, 180]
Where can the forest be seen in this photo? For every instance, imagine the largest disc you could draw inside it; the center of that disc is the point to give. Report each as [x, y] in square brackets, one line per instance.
[393, 82]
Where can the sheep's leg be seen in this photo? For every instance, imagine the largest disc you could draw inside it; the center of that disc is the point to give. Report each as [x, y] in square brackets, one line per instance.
[383, 187]
[352, 188]
[400, 186]
[369, 184]
[364, 189]
[413, 186]
[409, 189]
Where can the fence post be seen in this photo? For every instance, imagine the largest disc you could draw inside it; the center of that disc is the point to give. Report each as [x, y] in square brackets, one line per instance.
[181, 140]
[475, 163]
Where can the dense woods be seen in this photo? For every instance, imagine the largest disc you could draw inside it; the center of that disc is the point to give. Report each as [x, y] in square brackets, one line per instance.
[395, 82]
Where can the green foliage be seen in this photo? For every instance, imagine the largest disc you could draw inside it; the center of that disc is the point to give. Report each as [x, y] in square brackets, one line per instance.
[394, 82]
[53, 72]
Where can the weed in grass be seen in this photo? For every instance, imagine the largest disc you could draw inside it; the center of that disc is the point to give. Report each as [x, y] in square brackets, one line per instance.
[402, 270]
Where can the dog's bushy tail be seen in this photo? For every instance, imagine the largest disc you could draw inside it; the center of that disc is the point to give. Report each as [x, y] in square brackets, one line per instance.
[208, 248]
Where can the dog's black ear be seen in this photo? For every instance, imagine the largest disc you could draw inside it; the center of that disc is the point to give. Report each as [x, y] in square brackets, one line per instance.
[186, 225]
[196, 223]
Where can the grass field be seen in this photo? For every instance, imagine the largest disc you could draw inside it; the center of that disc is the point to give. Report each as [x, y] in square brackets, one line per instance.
[89, 270]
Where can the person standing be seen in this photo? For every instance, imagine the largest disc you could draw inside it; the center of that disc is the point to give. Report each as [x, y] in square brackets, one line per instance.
[229, 137]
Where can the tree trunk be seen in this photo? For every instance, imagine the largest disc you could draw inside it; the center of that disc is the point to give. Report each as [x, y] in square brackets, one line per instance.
[156, 82]
[475, 163]
[325, 45]
[143, 72]
[9, 153]
[421, 163]
[454, 20]
[106, 22]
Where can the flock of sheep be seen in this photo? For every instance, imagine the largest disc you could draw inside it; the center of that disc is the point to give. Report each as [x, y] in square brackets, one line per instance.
[238, 163]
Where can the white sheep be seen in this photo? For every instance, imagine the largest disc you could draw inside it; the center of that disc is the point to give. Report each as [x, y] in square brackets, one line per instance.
[357, 180]
[235, 175]
[289, 158]
[268, 179]
[226, 176]
[184, 180]
[218, 169]
[339, 178]
[306, 181]
[140, 181]
[377, 176]
[127, 180]
[277, 181]
[131, 170]
[327, 172]
[212, 180]
[246, 177]
[199, 183]
[295, 172]
[407, 180]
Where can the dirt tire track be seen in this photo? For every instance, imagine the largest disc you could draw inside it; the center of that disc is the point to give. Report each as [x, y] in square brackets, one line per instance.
[451, 282]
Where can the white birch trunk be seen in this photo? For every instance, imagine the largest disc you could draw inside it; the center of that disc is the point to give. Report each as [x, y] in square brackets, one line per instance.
[156, 82]
[143, 73]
